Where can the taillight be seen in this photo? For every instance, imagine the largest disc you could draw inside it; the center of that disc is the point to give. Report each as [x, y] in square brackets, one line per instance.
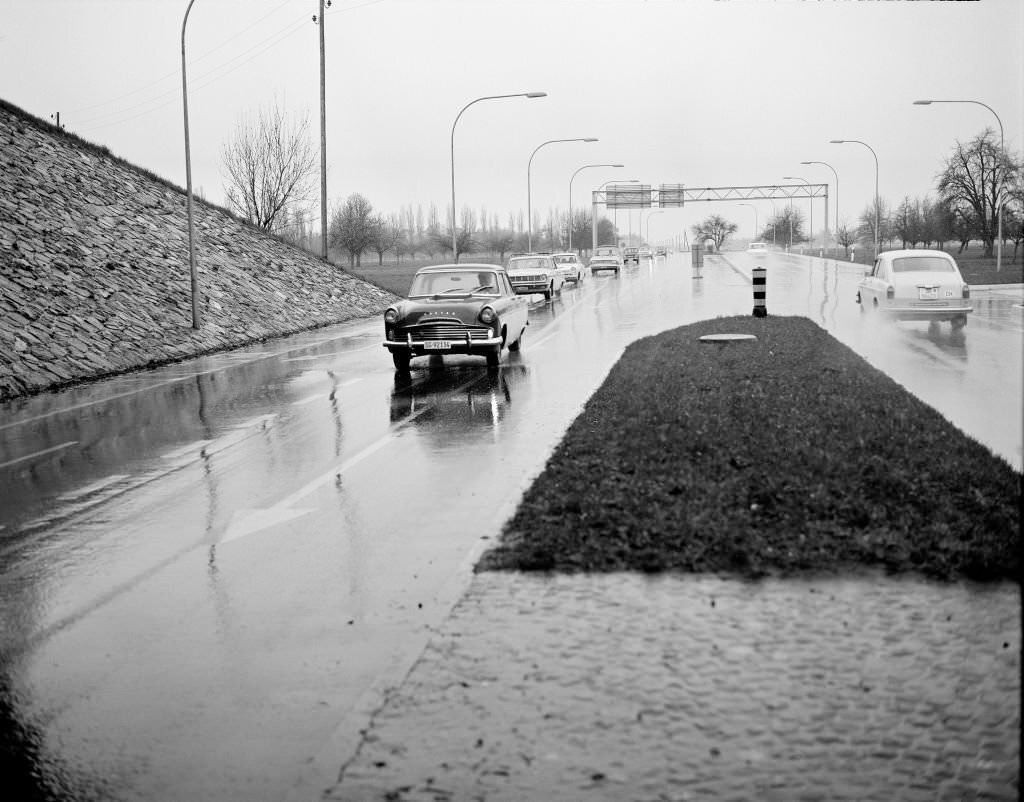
[967, 291]
[890, 293]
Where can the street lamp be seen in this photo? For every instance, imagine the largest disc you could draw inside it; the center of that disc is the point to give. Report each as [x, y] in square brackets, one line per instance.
[455, 245]
[865, 144]
[606, 183]
[647, 238]
[999, 189]
[810, 222]
[529, 201]
[833, 169]
[752, 206]
[584, 167]
[188, 182]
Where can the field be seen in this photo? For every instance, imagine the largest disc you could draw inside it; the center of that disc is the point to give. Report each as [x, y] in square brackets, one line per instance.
[396, 277]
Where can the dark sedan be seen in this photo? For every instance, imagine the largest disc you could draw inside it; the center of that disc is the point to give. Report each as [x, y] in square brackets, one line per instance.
[456, 309]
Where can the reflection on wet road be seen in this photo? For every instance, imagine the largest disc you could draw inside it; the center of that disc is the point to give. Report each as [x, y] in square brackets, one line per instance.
[207, 568]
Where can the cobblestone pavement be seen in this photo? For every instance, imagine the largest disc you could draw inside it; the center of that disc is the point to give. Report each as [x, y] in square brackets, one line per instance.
[626, 687]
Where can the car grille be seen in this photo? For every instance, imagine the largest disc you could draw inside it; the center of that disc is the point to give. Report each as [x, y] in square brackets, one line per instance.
[448, 330]
[528, 279]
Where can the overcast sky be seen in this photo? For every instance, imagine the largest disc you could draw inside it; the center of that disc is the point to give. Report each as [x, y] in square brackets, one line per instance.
[696, 92]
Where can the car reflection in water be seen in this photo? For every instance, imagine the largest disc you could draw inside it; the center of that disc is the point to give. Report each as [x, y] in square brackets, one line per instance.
[456, 402]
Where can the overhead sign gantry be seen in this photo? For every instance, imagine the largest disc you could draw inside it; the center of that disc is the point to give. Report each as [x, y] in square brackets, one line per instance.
[669, 196]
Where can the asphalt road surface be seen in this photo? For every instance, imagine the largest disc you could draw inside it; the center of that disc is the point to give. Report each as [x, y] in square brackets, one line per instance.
[209, 569]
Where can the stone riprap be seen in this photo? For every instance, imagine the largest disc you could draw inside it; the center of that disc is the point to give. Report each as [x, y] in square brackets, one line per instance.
[94, 268]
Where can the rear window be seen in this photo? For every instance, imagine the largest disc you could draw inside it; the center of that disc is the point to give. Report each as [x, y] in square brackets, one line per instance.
[922, 264]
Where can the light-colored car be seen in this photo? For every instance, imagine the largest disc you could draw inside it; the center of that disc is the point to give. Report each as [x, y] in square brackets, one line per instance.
[606, 257]
[631, 255]
[916, 285]
[646, 253]
[535, 273]
[571, 264]
[757, 247]
[456, 309]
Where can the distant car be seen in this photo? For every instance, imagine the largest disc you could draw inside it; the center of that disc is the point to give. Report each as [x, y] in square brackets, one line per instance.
[456, 309]
[606, 257]
[535, 273]
[571, 264]
[916, 285]
[646, 253]
[661, 252]
[757, 247]
[631, 255]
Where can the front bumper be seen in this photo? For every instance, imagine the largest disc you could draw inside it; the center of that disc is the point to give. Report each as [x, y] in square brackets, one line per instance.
[456, 345]
[529, 288]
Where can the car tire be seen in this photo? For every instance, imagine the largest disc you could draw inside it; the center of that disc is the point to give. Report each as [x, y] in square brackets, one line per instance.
[959, 321]
[518, 343]
[547, 294]
[401, 360]
[493, 357]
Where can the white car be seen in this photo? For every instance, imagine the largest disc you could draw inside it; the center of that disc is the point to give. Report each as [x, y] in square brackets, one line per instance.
[571, 264]
[535, 273]
[606, 257]
[757, 247]
[916, 285]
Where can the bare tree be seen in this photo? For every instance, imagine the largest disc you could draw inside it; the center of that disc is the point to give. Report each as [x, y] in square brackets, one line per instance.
[387, 235]
[269, 167]
[972, 179]
[354, 227]
[715, 228]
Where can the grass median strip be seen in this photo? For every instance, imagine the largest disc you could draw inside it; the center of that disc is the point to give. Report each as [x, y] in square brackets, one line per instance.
[783, 455]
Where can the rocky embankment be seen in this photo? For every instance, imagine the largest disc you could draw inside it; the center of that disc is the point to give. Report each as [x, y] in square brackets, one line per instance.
[94, 268]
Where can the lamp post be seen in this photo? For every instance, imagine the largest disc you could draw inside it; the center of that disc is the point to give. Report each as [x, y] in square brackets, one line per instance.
[455, 244]
[647, 238]
[193, 274]
[580, 170]
[865, 144]
[529, 200]
[810, 201]
[606, 183]
[999, 188]
[833, 169]
[752, 206]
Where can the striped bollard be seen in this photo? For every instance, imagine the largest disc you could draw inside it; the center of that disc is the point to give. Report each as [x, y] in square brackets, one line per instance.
[759, 292]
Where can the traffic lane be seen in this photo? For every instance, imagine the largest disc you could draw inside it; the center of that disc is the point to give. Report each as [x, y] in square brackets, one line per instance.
[973, 376]
[345, 559]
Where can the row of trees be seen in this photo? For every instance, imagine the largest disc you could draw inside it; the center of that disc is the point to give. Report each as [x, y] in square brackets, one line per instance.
[270, 171]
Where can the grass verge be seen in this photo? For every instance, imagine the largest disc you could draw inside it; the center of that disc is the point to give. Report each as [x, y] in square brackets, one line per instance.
[784, 455]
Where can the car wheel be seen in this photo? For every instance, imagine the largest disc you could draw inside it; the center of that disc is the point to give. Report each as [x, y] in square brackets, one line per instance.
[401, 360]
[493, 357]
[518, 343]
[959, 321]
[547, 294]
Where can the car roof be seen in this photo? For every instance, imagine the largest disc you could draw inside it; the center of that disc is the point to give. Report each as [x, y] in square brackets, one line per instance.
[904, 252]
[475, 267]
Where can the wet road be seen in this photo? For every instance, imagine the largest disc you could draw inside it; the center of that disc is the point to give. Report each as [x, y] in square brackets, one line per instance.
[207, 568]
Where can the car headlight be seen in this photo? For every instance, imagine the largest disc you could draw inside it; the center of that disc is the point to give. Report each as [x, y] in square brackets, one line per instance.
[487, 315]
[391, 316]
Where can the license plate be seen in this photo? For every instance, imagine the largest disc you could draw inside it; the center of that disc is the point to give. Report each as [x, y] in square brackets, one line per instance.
[437, 345]
[928, 293]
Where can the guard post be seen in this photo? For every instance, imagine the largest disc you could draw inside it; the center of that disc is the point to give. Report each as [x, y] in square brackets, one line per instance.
[697, 256]
[759, 292]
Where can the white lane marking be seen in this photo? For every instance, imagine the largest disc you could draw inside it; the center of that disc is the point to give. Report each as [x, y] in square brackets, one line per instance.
[309, 399]
[250, 521]
[95, 487]
[45, 451]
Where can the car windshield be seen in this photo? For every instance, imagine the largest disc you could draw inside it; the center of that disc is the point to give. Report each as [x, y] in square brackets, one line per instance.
[564, 260]
[529, 264]
[922, 264]
[604, 252]
[454, 282]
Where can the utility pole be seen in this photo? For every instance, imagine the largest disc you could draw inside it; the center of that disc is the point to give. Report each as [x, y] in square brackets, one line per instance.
[323, 133]
[193, 273]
